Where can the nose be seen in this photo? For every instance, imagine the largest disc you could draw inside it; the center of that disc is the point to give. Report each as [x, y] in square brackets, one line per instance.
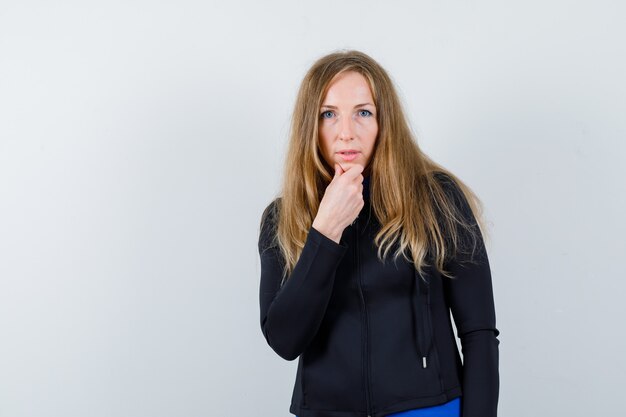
[346, 131]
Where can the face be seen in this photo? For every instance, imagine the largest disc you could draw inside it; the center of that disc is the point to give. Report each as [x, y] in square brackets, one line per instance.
[347, 122]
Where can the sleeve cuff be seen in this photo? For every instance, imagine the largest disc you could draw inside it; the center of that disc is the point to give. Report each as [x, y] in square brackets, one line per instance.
[326, 242]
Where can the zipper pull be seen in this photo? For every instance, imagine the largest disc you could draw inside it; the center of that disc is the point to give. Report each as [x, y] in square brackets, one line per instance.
[423, 361]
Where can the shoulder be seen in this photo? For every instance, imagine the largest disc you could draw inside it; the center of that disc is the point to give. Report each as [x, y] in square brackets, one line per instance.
[453, 193]
[458, 204]
[453, 188]
[463, 214]
[268, 224]
[447, 182]
[271, 210]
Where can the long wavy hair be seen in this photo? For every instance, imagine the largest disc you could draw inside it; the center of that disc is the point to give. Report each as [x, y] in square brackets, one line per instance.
[408, 197]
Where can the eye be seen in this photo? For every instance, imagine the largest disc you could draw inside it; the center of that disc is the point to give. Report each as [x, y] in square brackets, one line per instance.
[327, 114]
[365, 113]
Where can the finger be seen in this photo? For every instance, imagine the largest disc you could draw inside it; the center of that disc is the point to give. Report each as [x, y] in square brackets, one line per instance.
[354, 171]
[338, 170]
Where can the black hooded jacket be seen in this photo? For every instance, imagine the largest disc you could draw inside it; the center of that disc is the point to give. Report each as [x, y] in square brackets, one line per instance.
[375, 338]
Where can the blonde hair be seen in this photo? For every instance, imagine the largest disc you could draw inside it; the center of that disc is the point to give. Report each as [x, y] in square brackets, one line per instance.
[421, 206]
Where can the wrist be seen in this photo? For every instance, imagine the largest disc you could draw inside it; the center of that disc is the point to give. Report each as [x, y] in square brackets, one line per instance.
[329, 232]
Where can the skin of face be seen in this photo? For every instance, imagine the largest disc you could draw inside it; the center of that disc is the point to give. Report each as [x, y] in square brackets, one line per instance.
[347, 120]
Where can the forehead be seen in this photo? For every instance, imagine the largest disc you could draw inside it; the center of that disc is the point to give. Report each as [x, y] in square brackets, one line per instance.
[348, 86]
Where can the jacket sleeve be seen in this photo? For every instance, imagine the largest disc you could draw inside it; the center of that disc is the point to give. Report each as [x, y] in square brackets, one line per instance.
[291, 313]
[470, 296]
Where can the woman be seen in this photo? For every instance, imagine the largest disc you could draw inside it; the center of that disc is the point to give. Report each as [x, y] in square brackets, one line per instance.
[372, 331]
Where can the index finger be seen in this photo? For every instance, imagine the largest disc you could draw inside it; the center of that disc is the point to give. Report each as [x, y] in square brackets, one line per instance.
[354, 171]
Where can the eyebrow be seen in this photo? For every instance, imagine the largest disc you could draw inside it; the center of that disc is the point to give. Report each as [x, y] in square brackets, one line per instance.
[358, 105]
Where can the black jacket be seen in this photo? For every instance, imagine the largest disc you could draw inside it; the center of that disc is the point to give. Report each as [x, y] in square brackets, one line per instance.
[374, 338]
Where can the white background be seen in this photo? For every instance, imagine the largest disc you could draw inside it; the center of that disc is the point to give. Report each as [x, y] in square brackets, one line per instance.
[140, 142]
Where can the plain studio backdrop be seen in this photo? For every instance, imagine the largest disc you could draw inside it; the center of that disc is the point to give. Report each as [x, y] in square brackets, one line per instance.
[140, 142]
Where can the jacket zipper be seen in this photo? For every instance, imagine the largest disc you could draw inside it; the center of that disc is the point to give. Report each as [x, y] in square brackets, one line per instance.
[366, 349]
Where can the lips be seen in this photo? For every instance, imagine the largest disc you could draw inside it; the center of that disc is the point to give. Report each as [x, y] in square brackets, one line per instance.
[348, 155]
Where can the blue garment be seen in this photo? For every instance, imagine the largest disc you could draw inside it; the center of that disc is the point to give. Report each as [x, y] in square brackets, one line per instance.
[450, 409]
